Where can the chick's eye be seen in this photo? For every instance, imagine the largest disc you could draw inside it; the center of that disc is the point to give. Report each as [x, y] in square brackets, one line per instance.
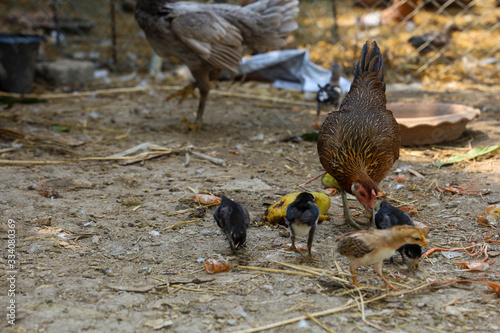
[416, 238]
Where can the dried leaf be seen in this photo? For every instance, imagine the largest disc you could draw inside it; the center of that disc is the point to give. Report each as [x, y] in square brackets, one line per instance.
[206, 199]
[422, 226]
[482, 220]
[473, 153]
[216, 265]
[474, 265]
[410, 210]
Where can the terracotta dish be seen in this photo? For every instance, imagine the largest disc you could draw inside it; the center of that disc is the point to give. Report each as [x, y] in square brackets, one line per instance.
[431, 123]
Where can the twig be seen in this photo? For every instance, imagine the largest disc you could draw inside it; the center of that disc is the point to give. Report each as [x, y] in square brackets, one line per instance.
[344, 307]
[194, 289]
[309, 316]
[272, 270]
[180, 223]
[311, 180]
[314, 271]
[214, 160]
[363, 315]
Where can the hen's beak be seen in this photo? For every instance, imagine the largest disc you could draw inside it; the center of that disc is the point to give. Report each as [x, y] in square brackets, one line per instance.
[369, 211]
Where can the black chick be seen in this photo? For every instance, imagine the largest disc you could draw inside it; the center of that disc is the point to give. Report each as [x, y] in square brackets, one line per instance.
[328, 97]
[234, 220]
[389, 216]
[433, 41]
[302, 218]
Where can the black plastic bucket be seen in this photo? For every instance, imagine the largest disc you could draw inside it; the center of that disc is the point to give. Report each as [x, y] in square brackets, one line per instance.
[18, 55]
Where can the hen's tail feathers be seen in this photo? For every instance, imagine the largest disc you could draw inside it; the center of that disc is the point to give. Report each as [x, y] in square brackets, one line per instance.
[370, 68]
[278, 16]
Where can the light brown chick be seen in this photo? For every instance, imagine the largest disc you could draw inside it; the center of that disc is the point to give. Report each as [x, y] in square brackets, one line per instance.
[366, 247]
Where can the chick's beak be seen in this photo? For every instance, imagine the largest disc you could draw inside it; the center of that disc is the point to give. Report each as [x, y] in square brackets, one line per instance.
[424, 242]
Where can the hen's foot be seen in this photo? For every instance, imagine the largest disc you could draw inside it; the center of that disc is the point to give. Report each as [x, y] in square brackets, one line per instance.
[191, 127]
[184, 93]
[309, 258]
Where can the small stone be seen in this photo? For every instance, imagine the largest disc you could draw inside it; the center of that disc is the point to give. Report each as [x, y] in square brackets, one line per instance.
[65, 71]
[232, 322]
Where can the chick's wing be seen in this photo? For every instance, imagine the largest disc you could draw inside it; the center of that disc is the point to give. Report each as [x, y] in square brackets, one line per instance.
[222, 215]
[359, 243]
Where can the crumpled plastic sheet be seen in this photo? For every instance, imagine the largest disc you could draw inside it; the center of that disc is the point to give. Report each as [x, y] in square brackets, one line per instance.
[290, 69]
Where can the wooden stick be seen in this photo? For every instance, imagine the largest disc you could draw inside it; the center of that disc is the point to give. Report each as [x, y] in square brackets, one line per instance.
[347, 306]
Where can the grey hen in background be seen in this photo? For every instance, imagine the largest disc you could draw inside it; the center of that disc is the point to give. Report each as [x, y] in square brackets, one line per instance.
[329, 96]
[209, 38]
[433, 41]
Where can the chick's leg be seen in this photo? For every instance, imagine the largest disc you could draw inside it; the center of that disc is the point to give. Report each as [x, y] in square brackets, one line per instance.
[309, 244]
[348, 218]
[231, 243]
[352, 269]
[292, 236]
[378, 270]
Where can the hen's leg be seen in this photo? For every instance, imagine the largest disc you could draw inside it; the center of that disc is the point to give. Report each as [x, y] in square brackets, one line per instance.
[348, 218]
[203, 84]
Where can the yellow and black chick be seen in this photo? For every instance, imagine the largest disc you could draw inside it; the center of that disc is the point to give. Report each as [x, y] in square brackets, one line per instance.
[234, 220]
[389, 216]
[302, 218]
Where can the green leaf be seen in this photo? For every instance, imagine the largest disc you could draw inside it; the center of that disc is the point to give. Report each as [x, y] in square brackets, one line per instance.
[473, 153]
[59, 128]
[311, 136]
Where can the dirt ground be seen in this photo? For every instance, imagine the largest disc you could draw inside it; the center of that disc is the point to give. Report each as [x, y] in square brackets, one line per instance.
[101, 252]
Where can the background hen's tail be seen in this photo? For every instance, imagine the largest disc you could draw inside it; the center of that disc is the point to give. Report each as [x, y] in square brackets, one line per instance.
[278, 19]
[370, 68]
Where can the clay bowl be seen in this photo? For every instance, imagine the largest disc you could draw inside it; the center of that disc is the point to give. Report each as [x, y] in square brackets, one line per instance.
[431, 123]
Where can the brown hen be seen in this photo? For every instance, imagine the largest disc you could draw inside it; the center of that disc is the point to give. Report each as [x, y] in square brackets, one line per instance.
[209, 38]
[358, 144]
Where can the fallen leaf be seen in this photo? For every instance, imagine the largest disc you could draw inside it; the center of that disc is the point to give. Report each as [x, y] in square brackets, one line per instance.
[482, 220]
[474, 265]
[473, 153]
